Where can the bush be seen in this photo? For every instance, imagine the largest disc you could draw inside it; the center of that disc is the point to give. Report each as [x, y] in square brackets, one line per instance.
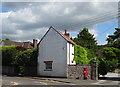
[112, 64]
[8, 55]
[112, 56]
[80, 55]
[102, 67]
[26, 58]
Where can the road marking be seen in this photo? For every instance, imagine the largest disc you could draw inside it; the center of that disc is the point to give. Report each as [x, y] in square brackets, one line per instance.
[41, 82]
[48, 80]
[14, 83]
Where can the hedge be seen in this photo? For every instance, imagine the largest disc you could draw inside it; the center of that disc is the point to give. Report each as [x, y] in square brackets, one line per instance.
[80, 55]
[8, 55]
[12, 56]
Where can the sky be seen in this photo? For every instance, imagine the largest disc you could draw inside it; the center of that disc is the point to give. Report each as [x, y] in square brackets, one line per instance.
[24, 21]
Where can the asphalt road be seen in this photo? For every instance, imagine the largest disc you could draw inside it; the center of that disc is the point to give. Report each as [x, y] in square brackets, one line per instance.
[8, 81]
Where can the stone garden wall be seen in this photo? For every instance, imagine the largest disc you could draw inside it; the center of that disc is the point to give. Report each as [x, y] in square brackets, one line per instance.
[76, 72]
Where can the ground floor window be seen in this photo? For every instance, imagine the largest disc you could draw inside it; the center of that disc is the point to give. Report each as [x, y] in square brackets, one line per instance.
[48, 65]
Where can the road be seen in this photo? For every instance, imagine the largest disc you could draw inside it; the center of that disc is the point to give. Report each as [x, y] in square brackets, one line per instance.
[8, 81]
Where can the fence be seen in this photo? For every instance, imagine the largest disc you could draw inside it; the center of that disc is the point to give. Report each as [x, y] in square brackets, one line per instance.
[12, 70]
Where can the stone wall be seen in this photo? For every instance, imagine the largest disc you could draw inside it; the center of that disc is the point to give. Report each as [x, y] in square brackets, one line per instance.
[76, 71]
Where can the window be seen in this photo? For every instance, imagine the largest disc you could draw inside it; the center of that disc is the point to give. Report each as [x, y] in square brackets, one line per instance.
[48, 65]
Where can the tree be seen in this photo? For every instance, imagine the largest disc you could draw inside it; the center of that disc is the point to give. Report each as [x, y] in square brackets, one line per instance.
[102, 67]
[114, 40]
[112, 56]
[7, 39]
[111, 53]
[87, 40]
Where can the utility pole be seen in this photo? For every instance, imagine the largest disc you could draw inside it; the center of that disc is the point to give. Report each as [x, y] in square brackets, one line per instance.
[119, 14]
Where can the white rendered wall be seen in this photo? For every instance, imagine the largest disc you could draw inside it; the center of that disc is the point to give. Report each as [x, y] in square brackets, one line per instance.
[53, 48]
[70, 54]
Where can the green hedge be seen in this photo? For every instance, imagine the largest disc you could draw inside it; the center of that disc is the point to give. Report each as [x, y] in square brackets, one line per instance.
[8, 55]
[26, 58]
[11, 56]
[80, 55]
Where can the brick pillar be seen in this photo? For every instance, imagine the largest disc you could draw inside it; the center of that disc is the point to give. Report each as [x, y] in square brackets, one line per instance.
[94, 70]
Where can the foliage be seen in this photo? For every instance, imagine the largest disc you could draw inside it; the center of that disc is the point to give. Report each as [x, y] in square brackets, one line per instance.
[114, 40]
[112, 56]
[87, 40]
[102, 67]
[11, 56]
[90, 54]
[80, 55]
[8, 54]
[26, 58]
[7, 39]
[111, 53]
[112, 64]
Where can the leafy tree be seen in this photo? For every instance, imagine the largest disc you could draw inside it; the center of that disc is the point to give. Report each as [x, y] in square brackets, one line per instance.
[7, 39]
[102, 67]
[112, 56]
[114, 40]
[112, 64]
[87, 40]
[111, 53]
[80, 55]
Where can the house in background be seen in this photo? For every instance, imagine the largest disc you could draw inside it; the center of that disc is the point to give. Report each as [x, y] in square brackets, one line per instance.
[24, 45]
[56, 52]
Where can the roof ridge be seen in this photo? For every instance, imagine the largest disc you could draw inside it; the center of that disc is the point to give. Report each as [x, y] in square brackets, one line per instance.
[61, 34]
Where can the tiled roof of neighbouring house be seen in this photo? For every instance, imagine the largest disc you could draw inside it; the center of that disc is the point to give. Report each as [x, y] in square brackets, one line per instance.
[28, 45]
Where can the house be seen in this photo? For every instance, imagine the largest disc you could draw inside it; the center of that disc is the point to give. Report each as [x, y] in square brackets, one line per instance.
[25, 45]
[56, 52]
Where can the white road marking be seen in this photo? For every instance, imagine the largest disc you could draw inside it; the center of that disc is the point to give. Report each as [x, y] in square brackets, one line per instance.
[105, 82]
[41, 82]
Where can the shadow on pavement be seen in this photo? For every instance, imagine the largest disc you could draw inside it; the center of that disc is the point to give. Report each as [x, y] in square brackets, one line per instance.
[110, 78]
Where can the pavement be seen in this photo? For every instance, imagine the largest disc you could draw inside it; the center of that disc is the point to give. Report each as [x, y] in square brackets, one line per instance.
[111, 79]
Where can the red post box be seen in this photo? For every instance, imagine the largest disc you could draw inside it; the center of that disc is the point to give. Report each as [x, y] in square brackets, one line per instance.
[85, 72]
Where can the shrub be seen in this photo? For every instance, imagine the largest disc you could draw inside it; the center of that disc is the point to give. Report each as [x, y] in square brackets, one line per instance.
[112, 64]
[26, 58]
[112, 55]
[80, 55]
[8, 55]
[102, 67]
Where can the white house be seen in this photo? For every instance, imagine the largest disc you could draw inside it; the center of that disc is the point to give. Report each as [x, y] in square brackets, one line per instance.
[56, 51]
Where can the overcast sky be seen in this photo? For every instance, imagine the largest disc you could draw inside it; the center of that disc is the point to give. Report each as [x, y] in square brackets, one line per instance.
[23, 21]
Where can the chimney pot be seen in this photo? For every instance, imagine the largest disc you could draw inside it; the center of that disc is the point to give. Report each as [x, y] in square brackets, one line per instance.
[35, 43]
[66, 34]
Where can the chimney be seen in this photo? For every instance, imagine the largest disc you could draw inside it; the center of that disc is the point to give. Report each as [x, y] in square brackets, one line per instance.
[66, 34]
[35, 43]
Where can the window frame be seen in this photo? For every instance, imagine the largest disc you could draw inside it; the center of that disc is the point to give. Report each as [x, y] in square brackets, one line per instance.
[48, 65]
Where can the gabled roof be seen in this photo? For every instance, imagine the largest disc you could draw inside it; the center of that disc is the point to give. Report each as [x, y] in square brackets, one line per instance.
[22, 44]
[61, 34]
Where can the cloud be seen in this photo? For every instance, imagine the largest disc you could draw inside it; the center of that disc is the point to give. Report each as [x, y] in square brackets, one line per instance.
[25, 21]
